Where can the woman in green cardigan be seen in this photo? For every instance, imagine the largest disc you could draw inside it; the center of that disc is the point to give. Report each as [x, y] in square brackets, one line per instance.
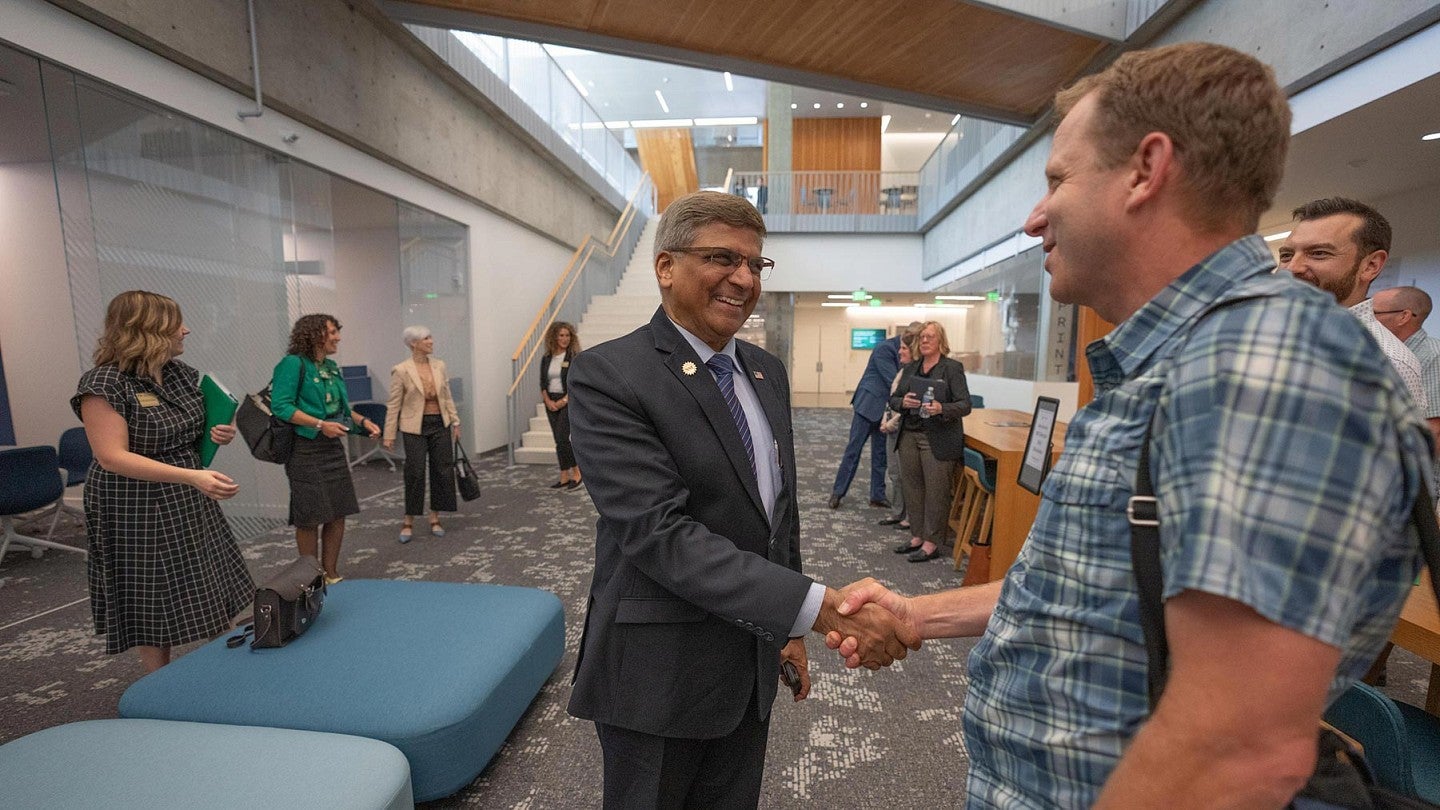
[308, 391]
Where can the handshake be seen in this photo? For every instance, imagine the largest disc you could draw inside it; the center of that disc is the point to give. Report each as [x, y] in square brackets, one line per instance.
[867, 624]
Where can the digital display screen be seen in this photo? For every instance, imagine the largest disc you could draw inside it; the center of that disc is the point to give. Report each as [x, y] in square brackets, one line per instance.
[866, 338]
[1036, 462]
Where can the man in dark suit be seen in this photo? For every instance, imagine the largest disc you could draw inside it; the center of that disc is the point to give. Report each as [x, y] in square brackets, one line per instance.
[871, 394]
[685, 438]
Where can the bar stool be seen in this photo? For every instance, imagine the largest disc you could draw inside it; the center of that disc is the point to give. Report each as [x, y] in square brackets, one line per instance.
[977, 516]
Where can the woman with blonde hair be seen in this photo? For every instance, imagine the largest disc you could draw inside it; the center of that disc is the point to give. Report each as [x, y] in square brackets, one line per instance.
[562, 343]
[308, 391]
[164, 567]
[933, 396]
[420, 407]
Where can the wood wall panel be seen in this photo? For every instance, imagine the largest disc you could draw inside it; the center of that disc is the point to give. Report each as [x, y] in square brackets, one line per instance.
[669, 156]
[1089, 327]
[835, 144]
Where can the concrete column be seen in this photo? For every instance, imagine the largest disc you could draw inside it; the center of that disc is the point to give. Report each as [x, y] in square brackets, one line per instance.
[778, 115]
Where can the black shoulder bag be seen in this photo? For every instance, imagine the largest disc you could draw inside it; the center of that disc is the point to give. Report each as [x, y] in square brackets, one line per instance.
[285, 606]
[269, 437]
[1342, 780]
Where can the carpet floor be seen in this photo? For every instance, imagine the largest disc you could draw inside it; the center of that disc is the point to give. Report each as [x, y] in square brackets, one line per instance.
[890, 738]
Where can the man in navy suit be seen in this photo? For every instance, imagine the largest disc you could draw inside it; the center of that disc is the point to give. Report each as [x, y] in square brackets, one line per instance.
[869, 400]
[697, 598]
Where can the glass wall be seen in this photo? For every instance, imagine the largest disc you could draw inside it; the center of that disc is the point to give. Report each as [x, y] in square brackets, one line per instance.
[246, 241]
[1004, 323]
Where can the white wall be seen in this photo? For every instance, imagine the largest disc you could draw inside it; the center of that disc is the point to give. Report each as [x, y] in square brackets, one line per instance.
[841, 262]
[825, 332]
[1415, 249]
[37, 327]
[512, 268]
[907, 151]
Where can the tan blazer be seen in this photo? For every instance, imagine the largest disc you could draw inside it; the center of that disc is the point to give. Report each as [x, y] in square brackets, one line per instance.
[406, 406]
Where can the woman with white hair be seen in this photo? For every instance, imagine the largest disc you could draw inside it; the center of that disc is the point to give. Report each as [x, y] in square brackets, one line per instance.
[421, 408]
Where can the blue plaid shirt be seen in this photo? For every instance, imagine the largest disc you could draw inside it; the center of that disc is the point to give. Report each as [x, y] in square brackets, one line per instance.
[1286, 457]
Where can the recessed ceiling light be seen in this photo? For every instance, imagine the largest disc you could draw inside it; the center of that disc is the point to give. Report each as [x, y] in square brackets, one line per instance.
[794, 106]
[844, 296]
[839, 304]
[927, 115]
[1434, 136]
[661, 98]
[654, 123]
[955, 120]
[817, 105]
[864, 104]
[1276, 237]
[729, 82]
[884, 123]
[839, 105]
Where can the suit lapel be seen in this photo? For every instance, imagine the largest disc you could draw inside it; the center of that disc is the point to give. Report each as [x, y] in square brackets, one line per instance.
[702, 386]
[414, 372]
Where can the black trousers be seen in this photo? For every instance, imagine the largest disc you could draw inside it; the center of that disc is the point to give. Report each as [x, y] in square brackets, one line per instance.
[560, 429]
[644, 771]
[432, 443]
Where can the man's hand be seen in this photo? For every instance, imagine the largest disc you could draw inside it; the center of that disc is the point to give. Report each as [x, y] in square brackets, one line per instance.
[868, 591]
[794, 652]
[880, 638]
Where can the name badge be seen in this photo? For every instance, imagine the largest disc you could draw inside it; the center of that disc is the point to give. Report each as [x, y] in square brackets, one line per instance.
[147, 400]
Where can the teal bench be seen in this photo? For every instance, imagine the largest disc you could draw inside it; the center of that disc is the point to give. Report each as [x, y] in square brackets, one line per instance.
[442, 671]
[154, 764]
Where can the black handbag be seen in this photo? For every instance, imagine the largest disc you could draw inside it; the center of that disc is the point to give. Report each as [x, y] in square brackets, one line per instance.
[286, 605]
[269, 438]
[1342, 779]
[465, 481]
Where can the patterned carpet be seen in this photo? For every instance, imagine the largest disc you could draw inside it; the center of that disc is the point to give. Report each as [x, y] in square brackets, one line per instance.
[863, 739]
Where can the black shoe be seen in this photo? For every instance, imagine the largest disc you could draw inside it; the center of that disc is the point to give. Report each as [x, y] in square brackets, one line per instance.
[834, 501]
[888, 522]
[906, 548]
[573, 485]
[559, 485]
[880, 504]
[921, 556]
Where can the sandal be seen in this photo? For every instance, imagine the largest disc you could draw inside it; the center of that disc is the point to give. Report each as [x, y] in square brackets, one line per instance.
[436, 529]
[405, 533]
[335, 580]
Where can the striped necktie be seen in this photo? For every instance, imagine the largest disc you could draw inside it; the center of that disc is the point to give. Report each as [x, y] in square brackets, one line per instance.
[724, 369]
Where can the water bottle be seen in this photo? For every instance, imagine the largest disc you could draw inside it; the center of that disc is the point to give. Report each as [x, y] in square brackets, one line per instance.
[926, 400]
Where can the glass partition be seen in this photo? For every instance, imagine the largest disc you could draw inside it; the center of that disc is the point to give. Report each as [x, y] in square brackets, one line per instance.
[246, 240]
[1003, 326]
[967, 149]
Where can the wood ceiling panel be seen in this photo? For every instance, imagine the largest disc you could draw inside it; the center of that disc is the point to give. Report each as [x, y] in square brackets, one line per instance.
[970, 55]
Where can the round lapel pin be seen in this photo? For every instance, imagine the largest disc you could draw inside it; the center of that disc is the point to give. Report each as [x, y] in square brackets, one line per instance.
[688, 368]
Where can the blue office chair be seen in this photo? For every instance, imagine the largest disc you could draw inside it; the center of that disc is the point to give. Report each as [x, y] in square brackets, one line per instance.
[1402, 742]
[75, 460]
[375, 412]
[32, 476]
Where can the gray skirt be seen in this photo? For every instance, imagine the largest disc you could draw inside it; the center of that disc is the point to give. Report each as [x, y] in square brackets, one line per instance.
[321, 489]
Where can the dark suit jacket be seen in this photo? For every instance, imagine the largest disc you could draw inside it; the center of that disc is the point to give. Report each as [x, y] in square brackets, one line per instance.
[694, 591]
[946, 430]
[543, 361]
[874, 387]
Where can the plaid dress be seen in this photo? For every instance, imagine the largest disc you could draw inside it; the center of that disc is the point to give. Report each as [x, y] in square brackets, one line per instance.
[164, 567]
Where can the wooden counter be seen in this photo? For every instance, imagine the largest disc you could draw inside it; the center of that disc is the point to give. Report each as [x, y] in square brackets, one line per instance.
[1418, 631]
[1000, 434]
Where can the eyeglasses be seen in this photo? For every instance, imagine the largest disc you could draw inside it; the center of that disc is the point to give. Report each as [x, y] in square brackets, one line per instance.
[1388, 311]
[729, 259]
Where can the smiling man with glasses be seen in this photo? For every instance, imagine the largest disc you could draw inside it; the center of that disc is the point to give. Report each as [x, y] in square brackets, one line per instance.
[697, 599]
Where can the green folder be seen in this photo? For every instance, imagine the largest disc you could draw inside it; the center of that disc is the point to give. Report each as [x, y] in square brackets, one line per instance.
[220, 407]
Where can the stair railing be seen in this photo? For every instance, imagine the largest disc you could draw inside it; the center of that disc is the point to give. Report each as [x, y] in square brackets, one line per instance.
[594, 269]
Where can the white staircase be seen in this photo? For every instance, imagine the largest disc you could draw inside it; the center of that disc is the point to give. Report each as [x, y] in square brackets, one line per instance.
[608, 317]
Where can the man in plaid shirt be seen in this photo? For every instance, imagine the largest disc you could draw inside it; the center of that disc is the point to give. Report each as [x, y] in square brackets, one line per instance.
[1286, 457]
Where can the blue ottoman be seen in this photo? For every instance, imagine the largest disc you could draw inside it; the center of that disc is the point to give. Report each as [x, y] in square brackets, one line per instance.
[153, 764]
[440, 670]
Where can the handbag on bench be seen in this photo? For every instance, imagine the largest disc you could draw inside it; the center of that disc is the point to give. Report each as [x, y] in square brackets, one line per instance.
[285, 606]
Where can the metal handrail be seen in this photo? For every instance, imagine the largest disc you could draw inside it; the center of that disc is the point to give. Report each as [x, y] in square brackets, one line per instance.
[560, 304]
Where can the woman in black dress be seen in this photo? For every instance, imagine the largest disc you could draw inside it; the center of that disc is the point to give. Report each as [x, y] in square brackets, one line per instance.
[561, 346]
[308, 391]
[164, 568]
